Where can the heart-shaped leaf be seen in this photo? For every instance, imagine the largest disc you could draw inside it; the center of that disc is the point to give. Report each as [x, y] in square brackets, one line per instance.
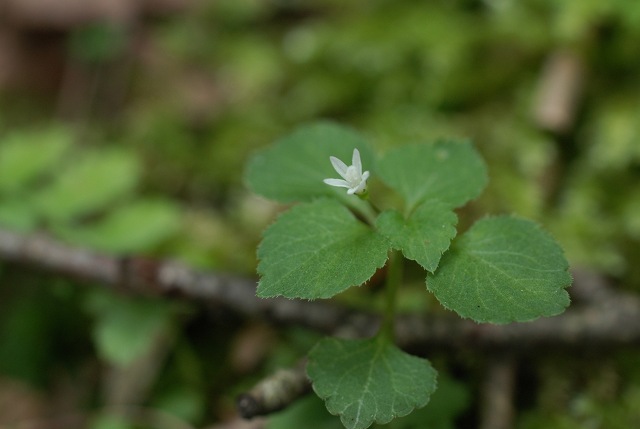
[369, 380]
[502, 270]
[316, 250]
[424, 236]
[293, 168]
[91, 183]
[449, 171]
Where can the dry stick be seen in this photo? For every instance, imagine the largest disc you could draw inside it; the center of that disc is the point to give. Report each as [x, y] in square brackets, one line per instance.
[611, 319]
[128, 385]
[497, 410]
[612, 322]
[146, 276]
[240, 423]
[559, 91]
[282, 388]
[275, 392]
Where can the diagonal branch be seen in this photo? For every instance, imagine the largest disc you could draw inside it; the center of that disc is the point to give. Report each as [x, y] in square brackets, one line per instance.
[165, 278]
[604, 317]
[600, 317]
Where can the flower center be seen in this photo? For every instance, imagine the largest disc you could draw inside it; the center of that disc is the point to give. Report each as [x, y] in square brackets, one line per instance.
[351, 176]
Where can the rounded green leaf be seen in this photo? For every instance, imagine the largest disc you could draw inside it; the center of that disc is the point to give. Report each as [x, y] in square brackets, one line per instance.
[308, 413]
[316, 250]
[502, 270]
[448, 171]
[91, 183]
[126, 327]
[27, 156]
[293, 168]
[17, 214]
[136, 227]
[369, 380]
[424, 236]
[445, 406]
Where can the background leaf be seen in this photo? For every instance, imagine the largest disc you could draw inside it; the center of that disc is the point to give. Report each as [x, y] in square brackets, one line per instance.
[369, 380]
[316, 250]
[25, 156]
[309, 412]
[424, 236]
[294, 167]
[18, 214]
[126, 327]
[449, 171]
[90, 184]
[502, 270]
[136, 227]
[447, 403]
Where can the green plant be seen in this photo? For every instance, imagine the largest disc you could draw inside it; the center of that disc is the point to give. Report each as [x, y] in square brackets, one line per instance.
[503, 269]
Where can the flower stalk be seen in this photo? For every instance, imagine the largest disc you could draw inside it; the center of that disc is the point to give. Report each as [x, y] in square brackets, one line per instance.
[394, 277]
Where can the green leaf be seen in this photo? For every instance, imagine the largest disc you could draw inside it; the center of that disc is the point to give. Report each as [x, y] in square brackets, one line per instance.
[424, 236]
[294, 167]
[136, 227]
[90, 184]
[184, 401]
[502, 270]
[25, 156]
[449, 171]
[309, 413]
[110, 421]
[316, 250]
[369, 380]
[126, 327]
[446, 404]
[17, 214]
[97, 42]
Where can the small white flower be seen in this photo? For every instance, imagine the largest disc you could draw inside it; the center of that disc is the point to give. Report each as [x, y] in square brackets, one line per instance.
[354, 179]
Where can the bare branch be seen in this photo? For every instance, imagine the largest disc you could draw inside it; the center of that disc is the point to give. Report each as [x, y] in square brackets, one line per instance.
[613, 318]
[497, 408]
[600, 317]
[612, 322]
[274, 393]
[559, 91]
[152, 277]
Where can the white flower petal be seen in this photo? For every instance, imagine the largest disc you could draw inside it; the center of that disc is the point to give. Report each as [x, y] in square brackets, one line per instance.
[354, 180]
[339, 166]
[356, 162]
[336, 182]
[360, 188]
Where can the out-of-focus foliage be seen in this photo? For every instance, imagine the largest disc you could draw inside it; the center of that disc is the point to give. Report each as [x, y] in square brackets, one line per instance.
[575, 394]
[161, 173]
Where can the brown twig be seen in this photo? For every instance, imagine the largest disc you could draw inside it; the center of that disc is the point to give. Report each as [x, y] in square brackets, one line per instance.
[604, 318]
[147, 276]
[240, 423]
[559, 92]
[614, 322]
[274, 393]
[497, 409]
[614, 319]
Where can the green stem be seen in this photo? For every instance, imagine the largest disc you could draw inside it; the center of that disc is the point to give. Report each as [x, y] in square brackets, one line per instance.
[394, 277]
[363, 207]
[369, 213]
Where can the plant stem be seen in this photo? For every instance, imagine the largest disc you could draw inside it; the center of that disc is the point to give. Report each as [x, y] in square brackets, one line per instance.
[394, 277]
[363, 207]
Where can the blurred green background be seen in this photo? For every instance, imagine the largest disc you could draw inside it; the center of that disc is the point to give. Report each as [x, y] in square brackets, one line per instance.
[124, 127]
